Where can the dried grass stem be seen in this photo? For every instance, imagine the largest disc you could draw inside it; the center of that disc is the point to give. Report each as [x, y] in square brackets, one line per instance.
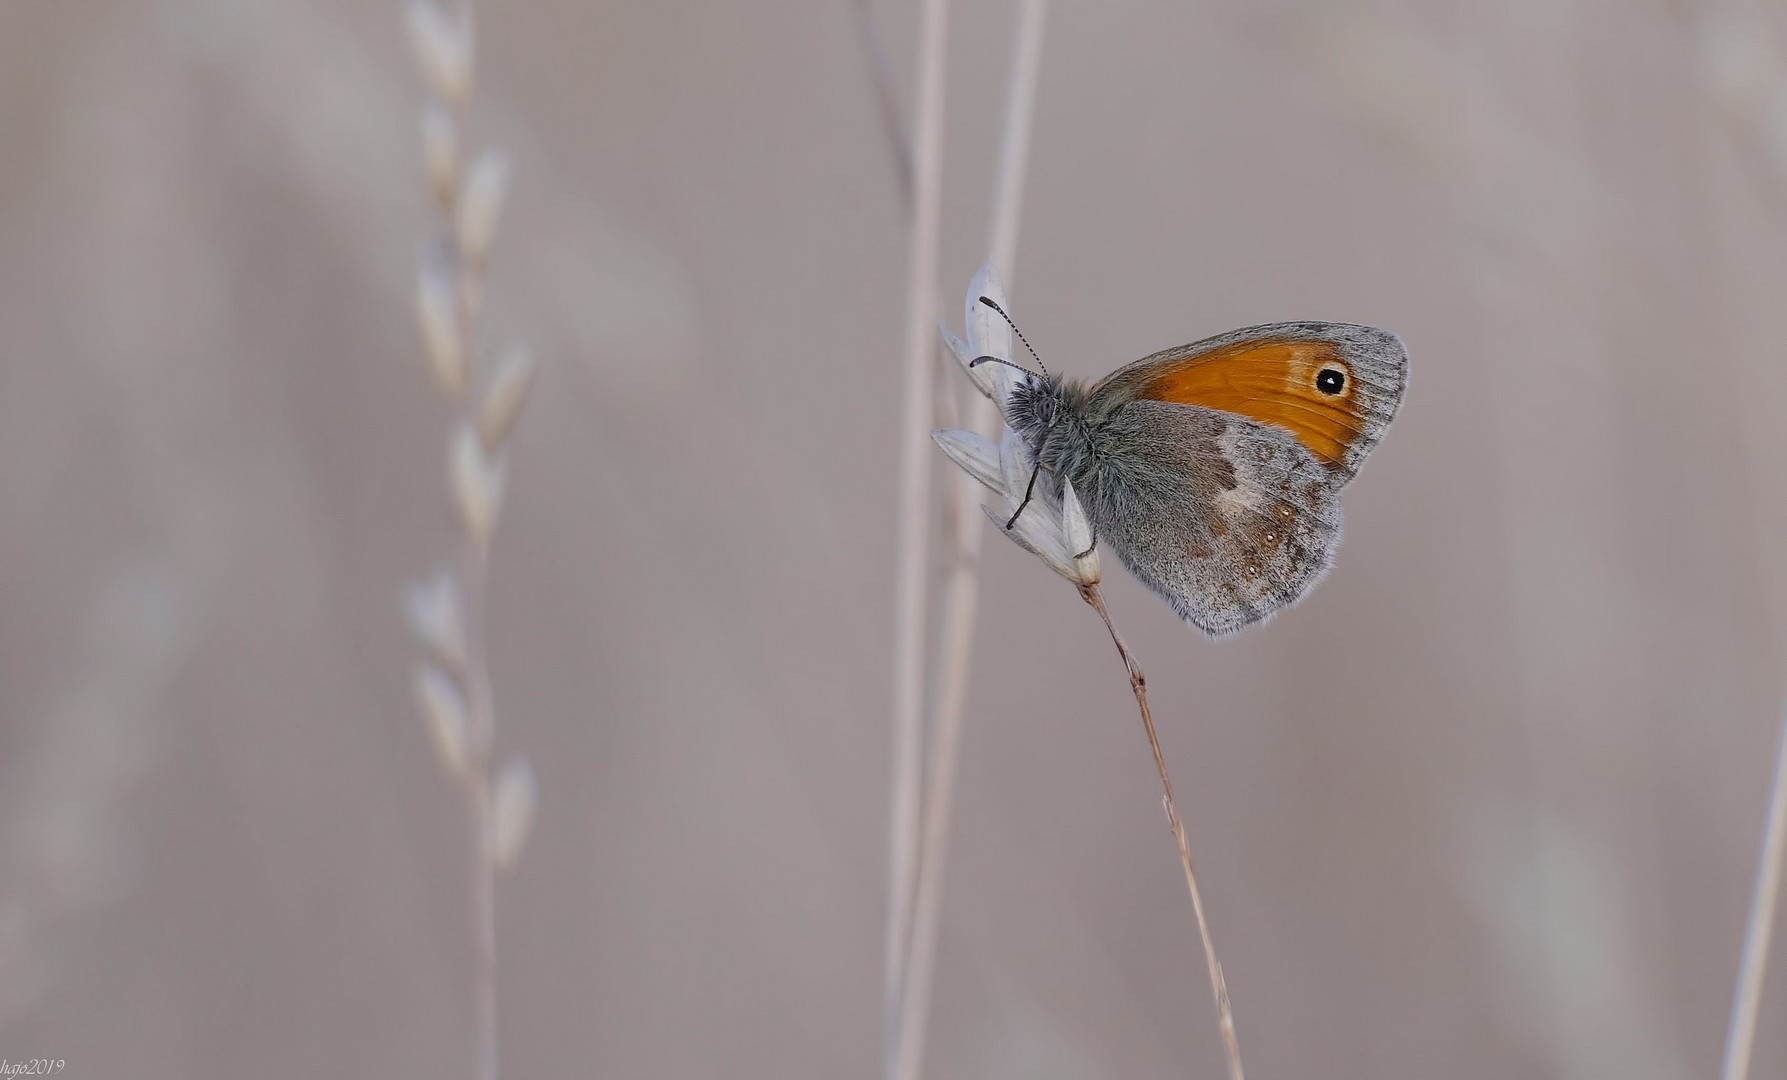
[1138, 684]
[914, 519]
[481, 732]
[1766, 892]
[965, 530]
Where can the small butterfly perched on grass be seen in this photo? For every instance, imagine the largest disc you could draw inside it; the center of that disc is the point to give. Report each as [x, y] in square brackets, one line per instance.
[1214, 469]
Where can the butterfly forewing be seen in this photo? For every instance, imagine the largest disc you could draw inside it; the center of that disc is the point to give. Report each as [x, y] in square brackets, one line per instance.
[1334, 386]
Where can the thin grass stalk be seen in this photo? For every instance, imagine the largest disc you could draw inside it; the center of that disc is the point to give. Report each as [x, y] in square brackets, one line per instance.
[1138, 684]
[914, 517]
[476, 780]
[1014, 139]
[1741, 1036]
[962, 594]
[474, 562]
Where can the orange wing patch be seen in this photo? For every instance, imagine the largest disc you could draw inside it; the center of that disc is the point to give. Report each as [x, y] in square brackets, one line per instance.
[1305, 387]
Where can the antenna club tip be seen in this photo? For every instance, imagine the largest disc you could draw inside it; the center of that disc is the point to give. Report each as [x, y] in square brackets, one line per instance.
[1014, 329]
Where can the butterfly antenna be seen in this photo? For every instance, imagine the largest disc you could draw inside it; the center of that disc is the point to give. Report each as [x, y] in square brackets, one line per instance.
[977, 361]
[1014, 329]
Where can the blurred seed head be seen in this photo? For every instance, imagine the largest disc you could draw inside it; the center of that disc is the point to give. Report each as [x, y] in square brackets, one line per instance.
[471, 295]
[477, 480]
[440, 152]
[443, 45]
[443, 709]
[437, 315]
[514, 805]
[435, 610]
[481, 207]
[508, 393]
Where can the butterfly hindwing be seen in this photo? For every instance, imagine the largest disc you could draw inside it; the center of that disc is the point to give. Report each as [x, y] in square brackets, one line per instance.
[1227, 519]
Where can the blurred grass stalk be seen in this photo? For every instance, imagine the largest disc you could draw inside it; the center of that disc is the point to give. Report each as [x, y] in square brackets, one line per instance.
[892, 126]
[1746, 77]
[1748, 998]
[912, 579]
[961, 592]
[447, 612]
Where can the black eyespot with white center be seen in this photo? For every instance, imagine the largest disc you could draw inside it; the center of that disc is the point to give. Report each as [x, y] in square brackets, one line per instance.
[1330, 381]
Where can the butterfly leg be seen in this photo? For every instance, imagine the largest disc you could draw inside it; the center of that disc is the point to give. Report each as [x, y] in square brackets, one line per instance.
[1028, 491]
[1092, 545]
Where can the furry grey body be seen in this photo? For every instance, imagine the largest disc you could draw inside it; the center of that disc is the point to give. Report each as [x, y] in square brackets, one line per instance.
[1227, 519]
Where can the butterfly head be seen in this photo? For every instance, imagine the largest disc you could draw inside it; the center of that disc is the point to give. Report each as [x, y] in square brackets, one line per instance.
[1033, 406]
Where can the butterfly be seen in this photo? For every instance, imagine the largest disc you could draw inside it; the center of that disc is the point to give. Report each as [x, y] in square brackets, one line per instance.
[1214, 470]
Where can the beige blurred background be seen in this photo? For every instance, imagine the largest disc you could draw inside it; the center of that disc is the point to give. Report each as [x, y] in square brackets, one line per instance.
[1486, 805]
